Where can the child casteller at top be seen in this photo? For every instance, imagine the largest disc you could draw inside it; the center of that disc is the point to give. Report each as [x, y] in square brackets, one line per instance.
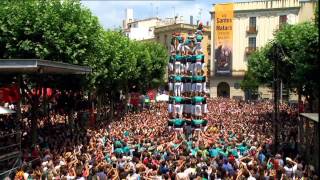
[189, 45]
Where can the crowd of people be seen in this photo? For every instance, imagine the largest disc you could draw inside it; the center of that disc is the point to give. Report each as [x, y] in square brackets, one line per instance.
[237, 143]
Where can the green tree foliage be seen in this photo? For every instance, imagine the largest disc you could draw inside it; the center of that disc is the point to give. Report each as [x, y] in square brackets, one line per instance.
[117, 63]
[53, 30]
[66, 31]
[259, 71]
[152, 62]
[295, 47]
[299, 65]
[124, 62]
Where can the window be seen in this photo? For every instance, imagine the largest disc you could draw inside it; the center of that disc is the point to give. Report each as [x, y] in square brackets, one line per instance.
[237, 85]
[282, 19]
[209, 36]
[252, 42]
[252, 22]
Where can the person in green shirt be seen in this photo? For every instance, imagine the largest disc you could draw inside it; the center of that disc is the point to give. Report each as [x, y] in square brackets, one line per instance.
[172, 59]
[197, 123]
[178, 63]
[198, 38]
[177, 85]
[180, 47]
[193, 60]
[199, 65]
[197, 85]
[173, 43]
[188, 42]
[177, 122]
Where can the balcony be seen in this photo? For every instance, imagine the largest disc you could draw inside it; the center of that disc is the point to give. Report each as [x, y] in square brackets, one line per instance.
[250, 50]
[252, 30]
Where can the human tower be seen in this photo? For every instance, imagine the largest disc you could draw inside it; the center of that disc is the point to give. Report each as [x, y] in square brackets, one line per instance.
[187, 83]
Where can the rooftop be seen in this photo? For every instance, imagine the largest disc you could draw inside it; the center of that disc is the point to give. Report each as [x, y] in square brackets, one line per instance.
[141, 20]
[181, 26]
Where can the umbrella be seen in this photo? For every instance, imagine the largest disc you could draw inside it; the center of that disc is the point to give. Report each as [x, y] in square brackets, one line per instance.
[4, 110]
[162, 97]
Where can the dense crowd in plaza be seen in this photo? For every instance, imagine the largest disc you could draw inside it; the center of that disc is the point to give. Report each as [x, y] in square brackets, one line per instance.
[236, 144]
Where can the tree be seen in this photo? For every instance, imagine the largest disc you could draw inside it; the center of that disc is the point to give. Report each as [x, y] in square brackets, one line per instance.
[124, 63]
[152, 62]
[249, 84]
[259, 70]
[295, 48]
[51, 30]
[299, 49]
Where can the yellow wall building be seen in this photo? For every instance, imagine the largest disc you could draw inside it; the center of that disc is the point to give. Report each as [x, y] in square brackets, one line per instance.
[253, 25]
[163, 35]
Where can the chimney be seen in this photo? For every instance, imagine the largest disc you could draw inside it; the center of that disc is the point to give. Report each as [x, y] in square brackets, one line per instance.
[191, 20]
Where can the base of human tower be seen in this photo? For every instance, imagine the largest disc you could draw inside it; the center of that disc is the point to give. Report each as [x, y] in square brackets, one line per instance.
[180, 124]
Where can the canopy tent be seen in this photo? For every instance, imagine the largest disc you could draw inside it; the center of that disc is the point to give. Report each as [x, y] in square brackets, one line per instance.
[35, 66]
[4, 110]
[162, 97]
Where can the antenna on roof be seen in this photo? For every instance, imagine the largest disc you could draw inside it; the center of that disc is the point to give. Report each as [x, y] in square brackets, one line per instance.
[151, 4]
[157, 11]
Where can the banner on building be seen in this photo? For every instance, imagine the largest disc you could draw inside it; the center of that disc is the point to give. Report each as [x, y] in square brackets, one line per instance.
[223, 38]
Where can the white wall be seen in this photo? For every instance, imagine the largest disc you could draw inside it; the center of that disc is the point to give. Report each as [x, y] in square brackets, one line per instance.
[267, 22]
[143, 29]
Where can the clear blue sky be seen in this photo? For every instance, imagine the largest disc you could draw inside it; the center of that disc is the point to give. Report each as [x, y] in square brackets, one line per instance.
[111, 13]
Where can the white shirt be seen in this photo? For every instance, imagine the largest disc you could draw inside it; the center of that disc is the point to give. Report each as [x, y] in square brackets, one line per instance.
[182, 176]
[290, 171]
[190, 171]
[133, 177]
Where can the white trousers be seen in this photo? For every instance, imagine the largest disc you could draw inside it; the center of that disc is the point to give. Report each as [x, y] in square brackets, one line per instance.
[187, 108]
[197, 67]
[197, 110]
[177, 88]
[178, 67]
[170, 66]
[204, 88]
[204, 108]
[187, 87]
[180, 47]
[197, 87]
[170, 108]
[197, 48]
[187, 66]
[178, 109]
[170, 86]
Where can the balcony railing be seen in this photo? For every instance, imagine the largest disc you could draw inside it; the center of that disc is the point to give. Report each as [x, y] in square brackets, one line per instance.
[250, 50]
[252, 30]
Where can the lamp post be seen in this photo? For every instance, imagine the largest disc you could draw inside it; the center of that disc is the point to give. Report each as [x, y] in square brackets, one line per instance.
[275, 57]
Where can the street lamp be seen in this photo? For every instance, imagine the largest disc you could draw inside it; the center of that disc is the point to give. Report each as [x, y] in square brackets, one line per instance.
[274, 56]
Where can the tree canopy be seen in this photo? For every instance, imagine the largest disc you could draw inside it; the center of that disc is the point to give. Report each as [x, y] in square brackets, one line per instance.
[52, 30]
[295, 47]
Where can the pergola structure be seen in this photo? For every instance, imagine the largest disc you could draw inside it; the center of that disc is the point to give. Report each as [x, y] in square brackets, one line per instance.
[33, 66]
[309, 137]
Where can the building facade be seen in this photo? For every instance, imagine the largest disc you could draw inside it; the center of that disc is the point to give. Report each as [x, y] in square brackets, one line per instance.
[143, 29]
[253, 26]
[163, 35]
